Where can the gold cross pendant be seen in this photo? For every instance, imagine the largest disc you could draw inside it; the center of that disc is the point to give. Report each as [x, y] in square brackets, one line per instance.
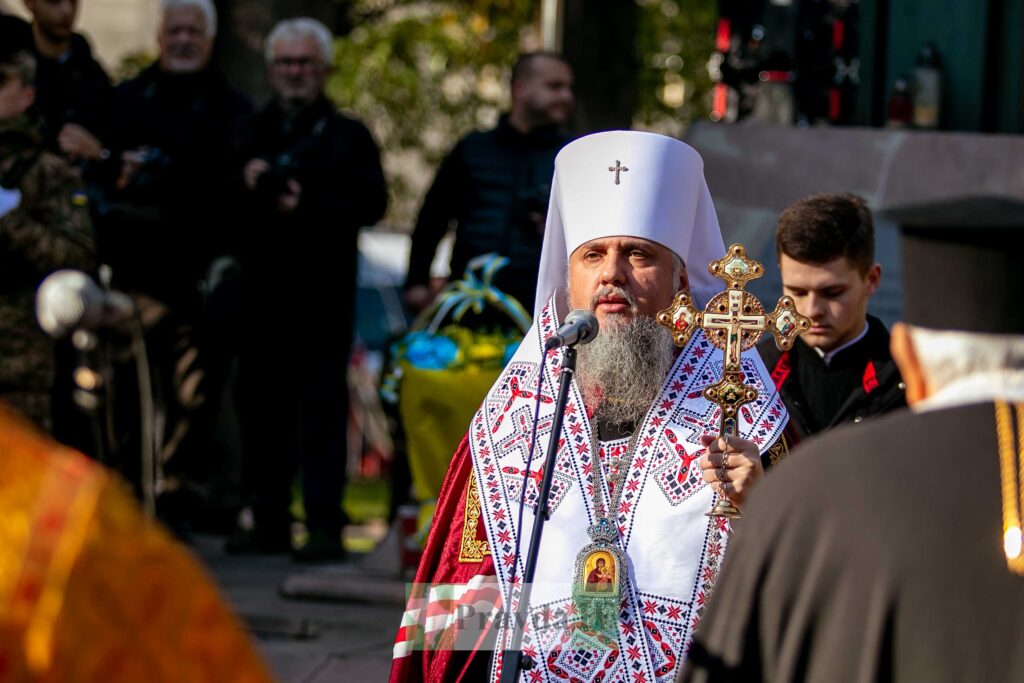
[733, 321]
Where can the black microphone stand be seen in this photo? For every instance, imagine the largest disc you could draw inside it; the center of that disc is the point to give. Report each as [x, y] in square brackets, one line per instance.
[513, 660]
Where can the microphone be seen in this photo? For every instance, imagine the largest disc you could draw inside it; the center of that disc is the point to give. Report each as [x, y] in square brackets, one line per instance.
[68, 300]
[580, 327]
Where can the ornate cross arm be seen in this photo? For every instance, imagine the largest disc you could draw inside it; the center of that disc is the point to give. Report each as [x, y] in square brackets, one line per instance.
[681, 318]
[786, 324]
[734, 319]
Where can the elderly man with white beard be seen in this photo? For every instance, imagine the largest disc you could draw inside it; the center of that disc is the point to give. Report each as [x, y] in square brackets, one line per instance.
[639, 462]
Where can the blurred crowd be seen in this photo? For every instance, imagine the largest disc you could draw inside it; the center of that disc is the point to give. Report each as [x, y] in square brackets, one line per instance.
[233, 231]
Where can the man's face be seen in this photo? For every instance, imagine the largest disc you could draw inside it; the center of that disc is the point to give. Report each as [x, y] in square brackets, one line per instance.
[15, 97]
[834, 295]
[605, 273]
[297, 72]
[545, 94]
[185, 43]
[55, 18]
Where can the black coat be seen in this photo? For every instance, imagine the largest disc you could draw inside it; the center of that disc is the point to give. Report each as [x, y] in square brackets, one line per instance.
[877, 558]
[161, 232]
[495, 185]
[74, 89]
[302, 265]
[861, 381]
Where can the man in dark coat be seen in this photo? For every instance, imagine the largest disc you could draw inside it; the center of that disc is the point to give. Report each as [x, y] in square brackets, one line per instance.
[168, 216]
[178, 123]
[494, 185]
[312, 178]
[840, 370]
[892, 551]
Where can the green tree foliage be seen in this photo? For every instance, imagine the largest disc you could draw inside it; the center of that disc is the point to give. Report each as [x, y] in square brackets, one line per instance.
[422, 73]
[675, 39]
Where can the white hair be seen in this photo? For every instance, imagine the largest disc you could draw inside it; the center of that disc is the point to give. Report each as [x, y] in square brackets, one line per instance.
[301, 27]
[206, 7]
[946, 356]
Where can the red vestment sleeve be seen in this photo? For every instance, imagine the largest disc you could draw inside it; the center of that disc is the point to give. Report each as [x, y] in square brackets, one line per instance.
[445, 561]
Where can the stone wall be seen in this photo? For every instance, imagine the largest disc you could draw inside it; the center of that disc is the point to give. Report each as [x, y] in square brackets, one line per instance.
[755, 171]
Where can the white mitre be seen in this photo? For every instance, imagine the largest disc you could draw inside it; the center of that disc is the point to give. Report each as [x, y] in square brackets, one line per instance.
[658, 193]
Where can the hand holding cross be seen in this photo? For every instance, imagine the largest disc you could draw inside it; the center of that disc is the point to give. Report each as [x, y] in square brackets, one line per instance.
[734, 321]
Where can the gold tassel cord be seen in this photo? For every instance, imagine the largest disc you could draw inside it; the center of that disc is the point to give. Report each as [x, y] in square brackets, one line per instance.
[1011, 469]
[1017, 565]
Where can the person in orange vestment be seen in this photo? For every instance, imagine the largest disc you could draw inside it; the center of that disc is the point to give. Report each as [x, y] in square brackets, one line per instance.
[91, 590]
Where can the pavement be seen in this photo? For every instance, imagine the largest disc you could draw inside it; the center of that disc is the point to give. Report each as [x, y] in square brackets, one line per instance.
[328, 623]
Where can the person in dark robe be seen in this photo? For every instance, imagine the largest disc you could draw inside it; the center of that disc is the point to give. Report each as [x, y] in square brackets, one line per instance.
[893, 552]
[840, 370]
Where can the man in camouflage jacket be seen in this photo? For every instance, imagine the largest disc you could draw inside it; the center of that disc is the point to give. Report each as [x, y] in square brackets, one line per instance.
[44, 226]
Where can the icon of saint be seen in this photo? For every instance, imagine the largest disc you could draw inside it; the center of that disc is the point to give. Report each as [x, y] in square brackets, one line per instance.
[600, 577]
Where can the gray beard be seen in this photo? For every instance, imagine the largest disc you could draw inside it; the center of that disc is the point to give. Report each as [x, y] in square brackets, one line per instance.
[622, 371]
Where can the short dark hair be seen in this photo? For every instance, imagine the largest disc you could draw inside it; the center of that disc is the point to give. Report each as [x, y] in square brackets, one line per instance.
[523, 68]
[20, 65]
[822, 227]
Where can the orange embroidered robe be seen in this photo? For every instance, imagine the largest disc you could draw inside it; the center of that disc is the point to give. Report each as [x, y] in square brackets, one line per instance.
[90, 590]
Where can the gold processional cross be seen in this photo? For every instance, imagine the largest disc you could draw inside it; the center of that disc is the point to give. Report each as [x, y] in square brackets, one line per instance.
[733, 321]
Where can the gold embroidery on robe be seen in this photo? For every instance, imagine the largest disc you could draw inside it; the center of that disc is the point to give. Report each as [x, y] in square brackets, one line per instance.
[472, 549]
[91, 590]
[779, 451]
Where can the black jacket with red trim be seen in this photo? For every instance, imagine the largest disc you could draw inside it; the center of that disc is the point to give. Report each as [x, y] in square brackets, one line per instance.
[860, 381]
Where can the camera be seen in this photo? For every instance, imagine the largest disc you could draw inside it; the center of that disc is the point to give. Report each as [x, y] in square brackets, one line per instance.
[152, 171]
[273, 182]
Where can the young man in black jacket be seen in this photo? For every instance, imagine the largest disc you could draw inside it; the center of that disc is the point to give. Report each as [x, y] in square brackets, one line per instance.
[840, 370]
[495, 185]
[74, 100]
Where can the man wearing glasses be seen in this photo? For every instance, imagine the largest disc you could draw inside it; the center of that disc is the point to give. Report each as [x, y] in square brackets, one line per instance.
[312, 177]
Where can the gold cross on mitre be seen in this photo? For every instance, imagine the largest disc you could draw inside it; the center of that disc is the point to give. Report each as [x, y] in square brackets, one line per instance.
[733, 321]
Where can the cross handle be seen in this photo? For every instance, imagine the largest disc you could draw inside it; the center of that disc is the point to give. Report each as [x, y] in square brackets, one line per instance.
[729, 393]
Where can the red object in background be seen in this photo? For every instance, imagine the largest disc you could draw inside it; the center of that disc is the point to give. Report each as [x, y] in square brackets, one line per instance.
[901, 108]
[838, 34]
[776, 76]
[409, 550]
[835, 104]
[835, 95]
[722, 37]
[373, 464]
[719, 101]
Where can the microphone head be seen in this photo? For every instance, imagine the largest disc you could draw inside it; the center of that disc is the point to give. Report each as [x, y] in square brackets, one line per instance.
[589, 327]
[65, 300]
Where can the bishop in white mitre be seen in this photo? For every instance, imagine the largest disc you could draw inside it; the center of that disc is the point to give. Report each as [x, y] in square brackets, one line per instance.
[639, 461]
